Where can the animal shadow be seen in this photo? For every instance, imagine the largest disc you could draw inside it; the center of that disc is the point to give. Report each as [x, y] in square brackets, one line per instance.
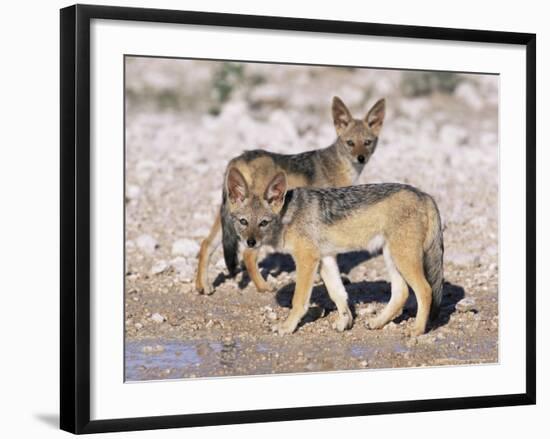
[278, 263]
[348, 261]
[220, 279]
[274, 264]
[372, 292]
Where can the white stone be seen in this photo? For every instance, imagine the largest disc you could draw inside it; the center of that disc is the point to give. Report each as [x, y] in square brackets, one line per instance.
[466, 304]
[452, 135]
[157, 318]
[460, 258]
[146, 243]
[185, 247]
[159, 267]
[185, 269]
[152, 349]
[132, 192]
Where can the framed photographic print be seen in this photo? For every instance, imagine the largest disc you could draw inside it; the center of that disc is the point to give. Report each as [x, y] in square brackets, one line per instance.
[268, 218]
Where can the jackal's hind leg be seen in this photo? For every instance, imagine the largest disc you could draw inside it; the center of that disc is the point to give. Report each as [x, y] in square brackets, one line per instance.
[409, 264]
[399, 294]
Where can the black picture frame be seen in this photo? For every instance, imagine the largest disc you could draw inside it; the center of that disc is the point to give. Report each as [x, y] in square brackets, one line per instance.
[75, 217]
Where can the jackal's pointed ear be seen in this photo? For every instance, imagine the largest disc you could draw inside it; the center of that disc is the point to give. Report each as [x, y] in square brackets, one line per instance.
[340, 115]
[375, 116]
[276, 189]
[236, 186]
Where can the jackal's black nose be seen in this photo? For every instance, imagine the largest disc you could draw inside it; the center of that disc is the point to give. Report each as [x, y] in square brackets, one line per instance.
[361, 158]
[251, 242]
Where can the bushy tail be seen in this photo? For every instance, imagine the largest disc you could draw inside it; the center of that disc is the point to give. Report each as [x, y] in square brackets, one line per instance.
[230, 242]
[433, 261]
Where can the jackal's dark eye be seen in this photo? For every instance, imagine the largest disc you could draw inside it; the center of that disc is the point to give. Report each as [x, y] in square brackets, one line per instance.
[350, 143]
[263, 223]
[368, 142]
[243, 222]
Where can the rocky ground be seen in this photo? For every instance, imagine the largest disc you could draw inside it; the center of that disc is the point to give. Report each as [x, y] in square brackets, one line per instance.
[186, 119]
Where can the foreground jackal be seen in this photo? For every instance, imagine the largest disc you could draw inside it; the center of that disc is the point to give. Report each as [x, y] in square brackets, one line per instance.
[338, 165]
[314, 225]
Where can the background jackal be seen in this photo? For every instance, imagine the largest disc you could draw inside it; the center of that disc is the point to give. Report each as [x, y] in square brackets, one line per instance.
[338, 165]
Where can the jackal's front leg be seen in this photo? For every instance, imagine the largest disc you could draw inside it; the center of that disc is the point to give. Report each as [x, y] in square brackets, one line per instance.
[306, 267]
[208, 246]
[335, 288]
[250, 257]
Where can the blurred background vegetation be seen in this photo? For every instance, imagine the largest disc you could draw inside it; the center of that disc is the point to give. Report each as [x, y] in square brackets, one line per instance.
[205, 86]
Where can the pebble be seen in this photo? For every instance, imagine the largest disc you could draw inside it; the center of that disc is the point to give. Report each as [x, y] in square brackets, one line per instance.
[426, 339]
[228, 342]
[152, 349]
[465, 305]
[146, 243]
[132, 192]
[185, 247]
[159, 267]
[184, 268]
[462, 258]
[272, 315]
[453, 135]
[370, 309]
[157, 318]
[138, 326]
[364, 363]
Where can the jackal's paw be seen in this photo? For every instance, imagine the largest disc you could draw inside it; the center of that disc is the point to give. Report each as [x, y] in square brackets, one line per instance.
[264, 287]
[204, 288]
[286, 327]
[375, 323]
[415, 331]
[345, 321]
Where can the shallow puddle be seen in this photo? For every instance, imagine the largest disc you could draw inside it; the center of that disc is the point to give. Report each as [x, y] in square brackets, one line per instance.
[160, 359]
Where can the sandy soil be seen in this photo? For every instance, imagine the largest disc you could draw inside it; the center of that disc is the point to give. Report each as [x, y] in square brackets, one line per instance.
[182, 128]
